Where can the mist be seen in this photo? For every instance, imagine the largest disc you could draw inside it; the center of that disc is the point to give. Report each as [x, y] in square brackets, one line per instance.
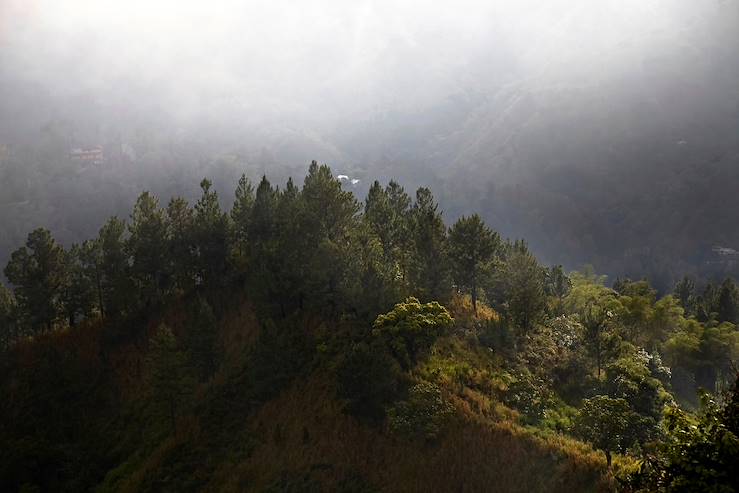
[604, 132]
[314, 65]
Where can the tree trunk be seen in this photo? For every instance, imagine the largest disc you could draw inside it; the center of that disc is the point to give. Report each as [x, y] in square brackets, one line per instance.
[608, 458]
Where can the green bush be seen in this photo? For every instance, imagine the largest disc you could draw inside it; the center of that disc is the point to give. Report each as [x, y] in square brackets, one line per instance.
[529, 395]
[423, 415]
[411, 328]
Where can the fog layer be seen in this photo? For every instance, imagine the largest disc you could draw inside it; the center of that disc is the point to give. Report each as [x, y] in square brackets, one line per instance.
[603, 131]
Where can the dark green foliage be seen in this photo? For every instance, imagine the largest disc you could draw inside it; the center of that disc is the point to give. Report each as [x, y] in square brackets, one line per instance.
[39, 273]
[210, 238]
[91, 264]
[629, 379]
[498, 336]
[170, 381]
[331, 210]
[202, 338]
[372, 285]
[558, 285]
[423, 415]
[379, 215]
[179, 220]
[282, 352]
[262, 219]
[429, 269]
[328, 216]
[555, 353]
[605, 422]
[116, 285]
[530, 395]
[384, 246]
[699, 453]
[241, 217]
[315, 272]
[596, 336]
[368, 378]
[289, 267]
[472, 246]
[8, 327]
[387, 212]
[410, 328]
[7, 316]
[522, 279]
[147, 248]
[262, 247]
[685, 293]
[727, 306]
[79, 294]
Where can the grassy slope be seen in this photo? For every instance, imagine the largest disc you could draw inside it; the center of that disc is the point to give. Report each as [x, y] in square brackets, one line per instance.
[300, 439]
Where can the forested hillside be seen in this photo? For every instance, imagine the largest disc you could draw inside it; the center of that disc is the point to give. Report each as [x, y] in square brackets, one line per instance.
[301, 340]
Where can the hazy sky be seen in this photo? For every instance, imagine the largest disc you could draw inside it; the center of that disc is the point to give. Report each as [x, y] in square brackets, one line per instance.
[315, 59]
[530, 112]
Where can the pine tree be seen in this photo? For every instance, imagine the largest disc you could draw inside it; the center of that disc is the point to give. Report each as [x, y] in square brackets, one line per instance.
[379, 215]
[116, 285]
[430, 274]
[91, 259]
[241, 217]
[400, 232]
[327, 216]
[472, 246]
[386, 212]
[262, 219]
[179, 225]
[147, 247]
[38, 271]
[263, 240]
[523, 281]
[290, 265]
[79, 290]
[727, 305]
[211, 231]
[558, 285]
[330, 210]
[685, 292]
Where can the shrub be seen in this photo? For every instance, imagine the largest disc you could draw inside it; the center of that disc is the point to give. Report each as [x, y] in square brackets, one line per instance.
[411, 328]
[529, 395]
[423, 415]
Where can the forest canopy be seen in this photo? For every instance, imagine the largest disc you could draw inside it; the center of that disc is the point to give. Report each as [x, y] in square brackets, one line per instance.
[409, 317]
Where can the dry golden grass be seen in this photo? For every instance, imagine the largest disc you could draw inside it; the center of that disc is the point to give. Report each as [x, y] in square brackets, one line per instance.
[460, 307]
[305, 430]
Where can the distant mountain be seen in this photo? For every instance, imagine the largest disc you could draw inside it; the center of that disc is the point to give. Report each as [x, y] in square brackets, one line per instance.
[624, 154]
[622, 151]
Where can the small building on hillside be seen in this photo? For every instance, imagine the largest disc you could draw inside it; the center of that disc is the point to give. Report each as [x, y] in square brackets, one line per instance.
[725, 252]
[87, 155]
